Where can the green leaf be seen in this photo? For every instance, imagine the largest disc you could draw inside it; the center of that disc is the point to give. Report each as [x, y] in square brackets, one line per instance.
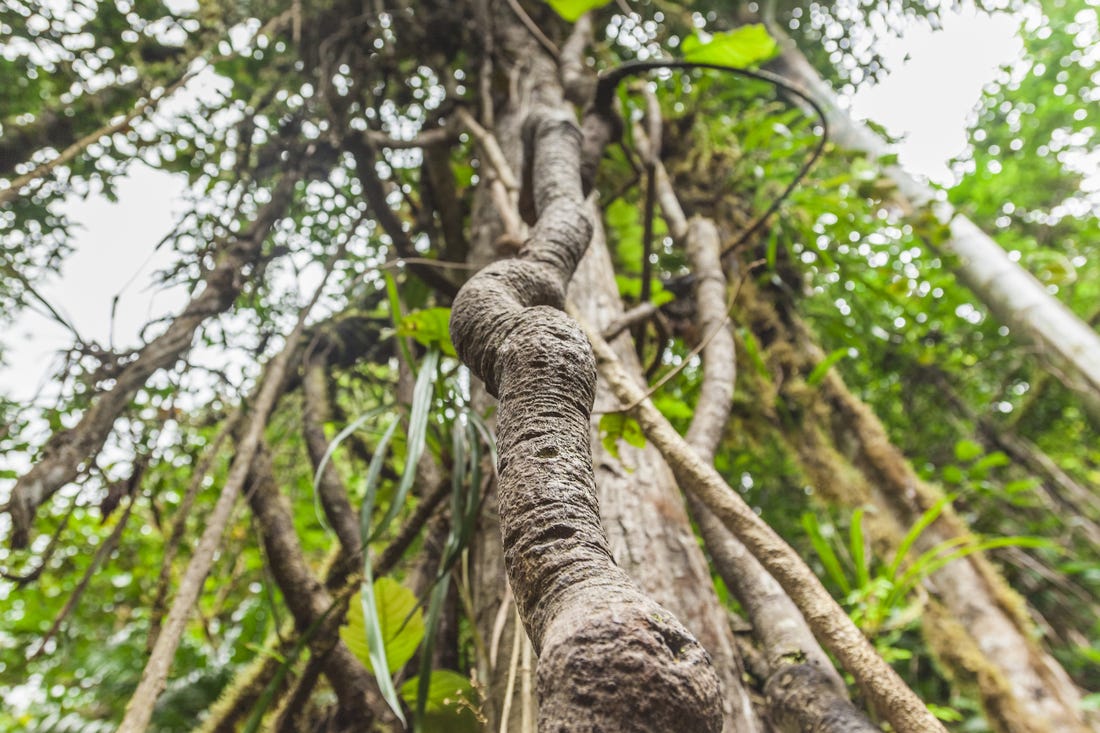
[450, 704]
[824, 366]
[929, 516]
[967, 450]
[615, 426]
[856, 546]
[672, 408]
[430, 327]
[745, 46]
[400, 623]
[825, 552]
[571, 10]
[996, 459]
[948, 715]
[953, 475]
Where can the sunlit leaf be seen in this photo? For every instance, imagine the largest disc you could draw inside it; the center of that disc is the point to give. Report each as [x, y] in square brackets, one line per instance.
[430, 327]
[571, 10]
[399, 618]
[748, 45]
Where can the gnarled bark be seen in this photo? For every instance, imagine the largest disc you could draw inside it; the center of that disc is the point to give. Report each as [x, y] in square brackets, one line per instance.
[609, 657]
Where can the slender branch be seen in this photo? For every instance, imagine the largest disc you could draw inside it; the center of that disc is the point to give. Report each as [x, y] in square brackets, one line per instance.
[179, 525]
[533, 29]
[154, 677]
[889, 694]
[150, 102]
[105, 549]
[610, 79]
[66, 450]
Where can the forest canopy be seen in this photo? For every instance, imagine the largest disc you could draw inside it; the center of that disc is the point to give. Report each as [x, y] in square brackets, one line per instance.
[570, 365]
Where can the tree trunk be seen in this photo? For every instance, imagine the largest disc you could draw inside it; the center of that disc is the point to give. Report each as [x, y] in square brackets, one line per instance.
[984, 638]
[1014, 296]
[643, 511]
[609, 657]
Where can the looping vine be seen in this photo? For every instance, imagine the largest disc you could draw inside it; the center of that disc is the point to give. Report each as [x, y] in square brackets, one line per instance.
[610, 79]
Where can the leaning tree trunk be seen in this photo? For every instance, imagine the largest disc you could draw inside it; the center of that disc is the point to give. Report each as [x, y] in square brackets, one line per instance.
[976, 625]
[1014, 296]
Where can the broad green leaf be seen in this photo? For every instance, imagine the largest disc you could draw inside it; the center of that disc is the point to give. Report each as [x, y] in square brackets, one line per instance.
[430, 327]
[571, 10]
[450, 704]
[399, 618]
[748, 45]
[672, 408]
[616, 426]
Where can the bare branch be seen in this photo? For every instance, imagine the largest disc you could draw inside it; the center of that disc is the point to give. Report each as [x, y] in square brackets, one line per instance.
[153, 679]
[66, 450]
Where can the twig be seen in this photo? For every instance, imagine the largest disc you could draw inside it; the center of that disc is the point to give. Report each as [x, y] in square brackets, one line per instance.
[47, 554]
[101, 554]
[691, 355]
[534, 30]
[12, 191]
[610, 79]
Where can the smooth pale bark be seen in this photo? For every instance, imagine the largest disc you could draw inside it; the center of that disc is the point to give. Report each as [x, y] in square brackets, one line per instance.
[1014, 296]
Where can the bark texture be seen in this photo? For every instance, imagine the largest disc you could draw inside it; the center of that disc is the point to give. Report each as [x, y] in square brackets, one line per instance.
[888, 693]
[850, 459]
[609, 657]
[643, 511]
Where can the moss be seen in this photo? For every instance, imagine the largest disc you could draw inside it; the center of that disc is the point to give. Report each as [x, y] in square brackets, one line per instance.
[964, 665]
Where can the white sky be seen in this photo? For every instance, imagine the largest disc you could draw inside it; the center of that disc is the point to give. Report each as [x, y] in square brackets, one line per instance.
[928, 98]
[936, 79]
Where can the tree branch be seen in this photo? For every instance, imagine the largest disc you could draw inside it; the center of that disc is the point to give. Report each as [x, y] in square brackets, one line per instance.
[66, 450]
[889, 694]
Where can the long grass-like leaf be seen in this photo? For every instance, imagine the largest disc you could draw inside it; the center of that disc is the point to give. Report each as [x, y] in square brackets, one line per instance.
[396, 314]
[423, 392]
[329, 450]
[377, 644]
[930, 515]
[825, 552]
[824, 366]
[371, 623]
[858, 550]
[957, 548]
[435, 609]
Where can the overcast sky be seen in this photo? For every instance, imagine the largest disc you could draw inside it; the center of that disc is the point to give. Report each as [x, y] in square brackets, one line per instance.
[935, 80]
